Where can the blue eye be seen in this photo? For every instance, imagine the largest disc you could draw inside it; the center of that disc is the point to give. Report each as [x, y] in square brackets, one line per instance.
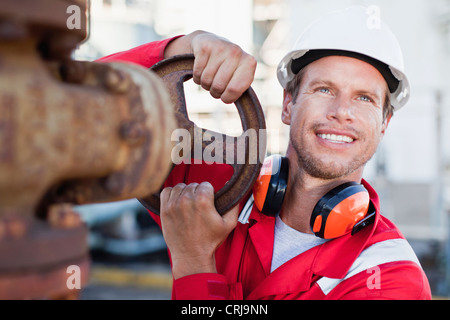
[365, 99]
[324, 90]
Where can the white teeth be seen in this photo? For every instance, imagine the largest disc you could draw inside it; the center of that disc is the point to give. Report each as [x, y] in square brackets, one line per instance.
[336, 138]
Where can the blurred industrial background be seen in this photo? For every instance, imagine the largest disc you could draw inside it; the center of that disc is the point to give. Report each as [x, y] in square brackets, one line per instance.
[411, 170]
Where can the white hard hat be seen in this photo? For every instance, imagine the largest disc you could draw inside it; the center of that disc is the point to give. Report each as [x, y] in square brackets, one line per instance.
[350, 32]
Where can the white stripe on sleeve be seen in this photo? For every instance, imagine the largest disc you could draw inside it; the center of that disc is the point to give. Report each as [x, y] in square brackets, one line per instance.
[377, 254]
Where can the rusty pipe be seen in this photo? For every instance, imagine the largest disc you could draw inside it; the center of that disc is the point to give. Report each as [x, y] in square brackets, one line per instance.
[71, 132]
[91, 132]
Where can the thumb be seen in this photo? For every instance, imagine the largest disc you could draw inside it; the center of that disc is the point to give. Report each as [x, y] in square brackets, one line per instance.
[231, 217]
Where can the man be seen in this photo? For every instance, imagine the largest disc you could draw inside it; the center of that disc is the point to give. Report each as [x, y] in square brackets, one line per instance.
[341, 83]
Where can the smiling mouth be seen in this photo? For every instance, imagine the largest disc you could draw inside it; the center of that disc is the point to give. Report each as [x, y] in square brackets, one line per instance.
[336, 138]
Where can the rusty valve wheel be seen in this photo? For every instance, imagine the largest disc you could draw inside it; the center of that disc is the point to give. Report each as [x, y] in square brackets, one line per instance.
[174, 72]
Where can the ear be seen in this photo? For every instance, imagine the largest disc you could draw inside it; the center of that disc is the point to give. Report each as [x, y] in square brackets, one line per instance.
[287, 108]
[385, 124]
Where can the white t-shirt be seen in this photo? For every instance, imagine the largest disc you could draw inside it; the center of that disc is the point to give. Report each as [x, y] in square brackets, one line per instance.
[289, 243]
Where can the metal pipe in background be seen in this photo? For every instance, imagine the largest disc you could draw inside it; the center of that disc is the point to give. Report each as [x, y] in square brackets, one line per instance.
[71, 132]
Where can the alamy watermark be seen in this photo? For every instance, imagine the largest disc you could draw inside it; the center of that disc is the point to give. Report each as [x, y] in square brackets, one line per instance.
[373, 21]
[74, 279]
[374, 280]
[74, 19]
[77, 19]
[212, 147]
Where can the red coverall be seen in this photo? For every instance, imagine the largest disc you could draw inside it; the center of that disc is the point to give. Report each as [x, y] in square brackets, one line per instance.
[375, 263]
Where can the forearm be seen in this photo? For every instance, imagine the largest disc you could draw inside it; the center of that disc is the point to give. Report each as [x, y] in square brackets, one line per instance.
[145, 55]
[186, 266]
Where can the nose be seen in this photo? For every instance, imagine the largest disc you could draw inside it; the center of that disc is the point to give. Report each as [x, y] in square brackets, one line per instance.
[342, 110]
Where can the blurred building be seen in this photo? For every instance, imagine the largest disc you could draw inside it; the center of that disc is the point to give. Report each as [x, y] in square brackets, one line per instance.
[411, 170]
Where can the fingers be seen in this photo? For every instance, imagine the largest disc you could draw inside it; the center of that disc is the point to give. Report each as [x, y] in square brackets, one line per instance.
[200, 63]
[240, 81]
[216, 78]
[214, 68]
[168, 195]
[204, 197]
[226, 79]
[222, 67]
[197, 199]
[182, 197]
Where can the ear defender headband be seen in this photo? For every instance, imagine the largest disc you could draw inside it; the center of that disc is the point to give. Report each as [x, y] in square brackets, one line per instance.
[345, 209]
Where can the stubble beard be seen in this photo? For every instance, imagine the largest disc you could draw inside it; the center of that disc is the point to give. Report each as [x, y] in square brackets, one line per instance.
[329, 170]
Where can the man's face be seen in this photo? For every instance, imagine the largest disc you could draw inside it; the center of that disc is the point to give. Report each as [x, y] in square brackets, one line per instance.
[336, 122]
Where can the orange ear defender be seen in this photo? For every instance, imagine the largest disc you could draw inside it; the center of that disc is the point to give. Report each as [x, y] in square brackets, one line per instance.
[270, 187]
[346, 208]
